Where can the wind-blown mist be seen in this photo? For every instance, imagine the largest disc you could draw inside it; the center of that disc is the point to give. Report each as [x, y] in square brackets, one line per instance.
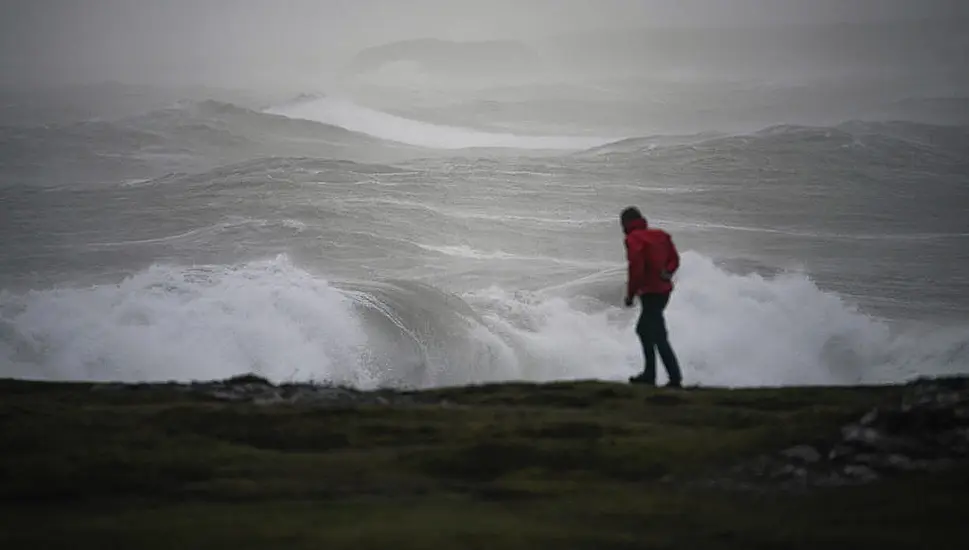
[374, 194]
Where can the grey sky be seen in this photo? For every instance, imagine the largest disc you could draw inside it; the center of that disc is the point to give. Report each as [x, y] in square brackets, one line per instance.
[249, 40]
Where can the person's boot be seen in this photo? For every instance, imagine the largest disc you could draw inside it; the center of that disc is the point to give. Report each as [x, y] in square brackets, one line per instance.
[675, 384]
[641, 378]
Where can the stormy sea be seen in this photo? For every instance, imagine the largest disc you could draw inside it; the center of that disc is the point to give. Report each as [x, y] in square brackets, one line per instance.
[443, 215]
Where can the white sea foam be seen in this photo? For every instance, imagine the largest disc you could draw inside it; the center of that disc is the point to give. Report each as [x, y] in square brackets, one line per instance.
[348, 115]
[278, 320]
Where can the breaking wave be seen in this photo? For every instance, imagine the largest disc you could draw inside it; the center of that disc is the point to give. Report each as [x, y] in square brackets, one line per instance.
[855, 141]
[276, 319]
[353, 117]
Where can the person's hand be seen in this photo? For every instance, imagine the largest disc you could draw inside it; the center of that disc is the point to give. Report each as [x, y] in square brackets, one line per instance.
[666, 275]
[629, 301]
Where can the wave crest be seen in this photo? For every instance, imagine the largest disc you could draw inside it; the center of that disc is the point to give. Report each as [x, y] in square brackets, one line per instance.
[280, 321]
[878, 142]
[350, 116]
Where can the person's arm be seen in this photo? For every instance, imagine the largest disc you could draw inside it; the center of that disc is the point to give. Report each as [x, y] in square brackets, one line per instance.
[636, 271]
[672, 260]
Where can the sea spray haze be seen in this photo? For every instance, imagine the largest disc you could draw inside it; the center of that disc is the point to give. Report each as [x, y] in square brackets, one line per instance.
[427, 193]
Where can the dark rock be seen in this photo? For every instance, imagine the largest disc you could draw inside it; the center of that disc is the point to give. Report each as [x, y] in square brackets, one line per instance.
[271, 398]
[783, 471]
[828, 480]
[259, 391]
[864, 459]
[925, 431]
[912, 445]
[904, 463]
[227, 395]
[803, 453]
[883, 463]
[839, 452]
[247, 379]
[863, 473]
[761, 465]
[855, 433]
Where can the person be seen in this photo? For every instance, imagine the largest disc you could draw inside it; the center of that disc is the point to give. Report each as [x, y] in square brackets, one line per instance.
[653, 259]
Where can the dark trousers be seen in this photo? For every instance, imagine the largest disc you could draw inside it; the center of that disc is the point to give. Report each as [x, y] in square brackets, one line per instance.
[651, 329]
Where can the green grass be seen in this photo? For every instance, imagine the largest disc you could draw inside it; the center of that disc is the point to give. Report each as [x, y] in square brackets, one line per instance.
[574, 465]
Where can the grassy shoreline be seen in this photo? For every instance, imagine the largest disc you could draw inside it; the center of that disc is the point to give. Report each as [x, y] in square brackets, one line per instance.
[575, 464]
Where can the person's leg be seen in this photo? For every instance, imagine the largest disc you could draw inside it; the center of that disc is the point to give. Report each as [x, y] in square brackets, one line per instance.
[660, 338]
[645, 329]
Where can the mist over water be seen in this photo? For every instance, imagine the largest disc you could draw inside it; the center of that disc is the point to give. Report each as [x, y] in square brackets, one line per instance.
[375, 194]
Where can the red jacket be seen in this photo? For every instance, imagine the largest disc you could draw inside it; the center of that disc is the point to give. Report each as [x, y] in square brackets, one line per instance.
[650, 252]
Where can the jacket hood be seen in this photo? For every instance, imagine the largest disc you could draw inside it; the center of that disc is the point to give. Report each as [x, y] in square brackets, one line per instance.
[633, 225]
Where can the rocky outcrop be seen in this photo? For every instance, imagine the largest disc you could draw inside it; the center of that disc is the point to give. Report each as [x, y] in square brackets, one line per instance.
[927, 431]
[256, 390]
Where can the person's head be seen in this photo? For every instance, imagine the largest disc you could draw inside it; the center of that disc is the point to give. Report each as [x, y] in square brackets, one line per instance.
[630, 218]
